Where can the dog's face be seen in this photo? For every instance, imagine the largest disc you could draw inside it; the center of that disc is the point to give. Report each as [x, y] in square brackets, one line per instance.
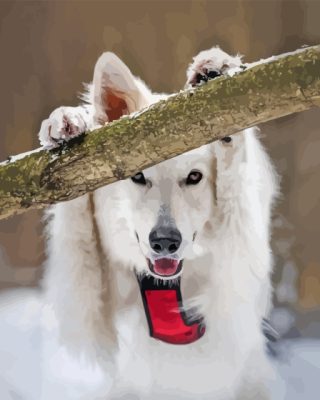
[172, 202]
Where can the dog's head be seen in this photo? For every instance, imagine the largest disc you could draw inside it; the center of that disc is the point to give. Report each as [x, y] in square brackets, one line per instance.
[162, 215]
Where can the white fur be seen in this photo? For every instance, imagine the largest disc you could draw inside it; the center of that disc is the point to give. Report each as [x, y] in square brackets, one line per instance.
[96, 343]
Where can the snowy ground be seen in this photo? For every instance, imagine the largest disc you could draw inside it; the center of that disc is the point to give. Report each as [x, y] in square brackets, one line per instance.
[298, 367]
[297, 360]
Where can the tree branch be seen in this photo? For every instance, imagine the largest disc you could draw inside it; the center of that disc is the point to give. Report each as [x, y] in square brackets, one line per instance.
[266, 90]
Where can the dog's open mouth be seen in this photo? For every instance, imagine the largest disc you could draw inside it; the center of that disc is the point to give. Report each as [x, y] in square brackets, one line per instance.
[165, 267]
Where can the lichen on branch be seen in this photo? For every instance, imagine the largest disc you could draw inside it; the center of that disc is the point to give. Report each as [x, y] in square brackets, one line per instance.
[264, 91]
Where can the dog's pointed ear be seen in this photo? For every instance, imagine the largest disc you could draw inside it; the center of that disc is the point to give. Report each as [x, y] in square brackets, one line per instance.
[115, 90]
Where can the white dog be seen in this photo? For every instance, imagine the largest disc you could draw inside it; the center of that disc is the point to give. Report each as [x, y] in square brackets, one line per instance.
[156, 286]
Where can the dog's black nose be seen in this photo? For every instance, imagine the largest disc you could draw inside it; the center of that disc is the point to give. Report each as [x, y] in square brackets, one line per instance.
[165, 241]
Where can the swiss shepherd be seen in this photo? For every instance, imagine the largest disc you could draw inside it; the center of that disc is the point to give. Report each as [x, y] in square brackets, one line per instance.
[156, 286]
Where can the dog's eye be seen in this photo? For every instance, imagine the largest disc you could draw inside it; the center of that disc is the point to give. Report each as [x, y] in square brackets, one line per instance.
[193, 178]
[139, 179]
[226, 139]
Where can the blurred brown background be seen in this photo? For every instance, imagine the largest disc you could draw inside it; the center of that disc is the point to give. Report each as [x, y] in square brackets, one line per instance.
[48, 48]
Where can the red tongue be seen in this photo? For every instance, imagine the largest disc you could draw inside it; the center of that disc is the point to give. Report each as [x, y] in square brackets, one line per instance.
[166, 266]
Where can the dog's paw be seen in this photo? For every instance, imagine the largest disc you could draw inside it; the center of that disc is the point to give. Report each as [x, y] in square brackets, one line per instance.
[63, 124]
[210, 64]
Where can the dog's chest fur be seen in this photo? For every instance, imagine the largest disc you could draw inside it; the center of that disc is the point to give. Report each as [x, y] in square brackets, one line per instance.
[209, 367]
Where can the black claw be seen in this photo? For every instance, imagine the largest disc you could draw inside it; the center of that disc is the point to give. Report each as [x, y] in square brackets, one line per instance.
[200, 77]
[207, 75]
[213, 74]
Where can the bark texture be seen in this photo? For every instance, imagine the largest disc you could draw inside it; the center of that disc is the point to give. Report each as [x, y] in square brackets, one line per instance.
[266, 90]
